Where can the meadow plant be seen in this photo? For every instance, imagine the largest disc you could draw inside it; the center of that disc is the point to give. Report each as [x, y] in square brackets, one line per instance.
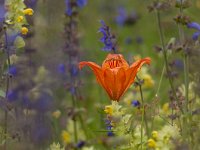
[144, 95]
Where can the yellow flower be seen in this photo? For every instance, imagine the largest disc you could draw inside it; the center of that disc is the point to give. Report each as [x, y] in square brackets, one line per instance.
[20, 18]
[148, 81]
[56, 114]
[28, 11]
[166, 139]
[108, 110]
[155, 135]
[151, 143]
[24, 30]
[165, 108]
[13, 59]
[66, 137]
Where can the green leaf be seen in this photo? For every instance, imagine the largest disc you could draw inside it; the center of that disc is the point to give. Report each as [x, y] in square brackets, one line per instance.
[2, 93]
[19, 42]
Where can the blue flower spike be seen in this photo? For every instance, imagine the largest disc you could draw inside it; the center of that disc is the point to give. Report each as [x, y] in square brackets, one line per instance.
[135, 103]
[108, 38]
[196, 26]
[70, 4]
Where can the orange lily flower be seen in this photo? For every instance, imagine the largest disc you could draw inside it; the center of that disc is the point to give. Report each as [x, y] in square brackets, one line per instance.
[115, 75]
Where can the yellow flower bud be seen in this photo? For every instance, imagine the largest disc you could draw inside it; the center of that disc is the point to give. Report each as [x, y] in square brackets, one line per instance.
[108, 109]
[166, 139]
[148, 81]
[20, 18]
[155, 135]
[66, 137]
[165, 107]
[56, 114]
[24, 30]
[151, 143]
[28, 11]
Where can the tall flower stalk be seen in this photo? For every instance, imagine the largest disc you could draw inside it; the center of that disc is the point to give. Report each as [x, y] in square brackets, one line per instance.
[72, 51]
[7, 86]
[164, 51]
[14, 23]
[144, 116]
[186, 120]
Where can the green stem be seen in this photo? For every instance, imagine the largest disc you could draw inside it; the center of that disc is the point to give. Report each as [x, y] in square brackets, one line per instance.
[144, 117]
[166, 60]
[186, 81]
[186, 71]
[142, 122]
[161, 78]
[144, 112]
[186, 119]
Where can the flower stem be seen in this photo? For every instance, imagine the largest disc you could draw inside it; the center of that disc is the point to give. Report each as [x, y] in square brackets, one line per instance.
[142, 122]
[160, 81]
[186, 70]
[186, 81]
[166, 60]
[186, 119]
[144, 117]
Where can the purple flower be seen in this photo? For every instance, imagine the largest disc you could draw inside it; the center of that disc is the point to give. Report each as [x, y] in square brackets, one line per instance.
[70, 4]
[68, 10]
[74, 70]
[107, 122]
[108, 39]
[12, 70]
[61, 68]
[121, 18]
[178, 63]
[195, 26]
[110, 133]
[80, 144]
[12, 95]
[31, 3]
[72, 90]
[81, 3]
[2, 12]
[109, 127]
[125, 19]
[135, 103]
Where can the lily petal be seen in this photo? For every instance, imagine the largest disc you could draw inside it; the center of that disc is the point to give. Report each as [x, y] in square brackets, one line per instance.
[132, 71]
[97, 71]
[114, 60]
[120, 78]
[110, 79]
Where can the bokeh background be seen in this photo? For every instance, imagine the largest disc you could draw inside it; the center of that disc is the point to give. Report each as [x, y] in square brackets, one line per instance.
[48, 96]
